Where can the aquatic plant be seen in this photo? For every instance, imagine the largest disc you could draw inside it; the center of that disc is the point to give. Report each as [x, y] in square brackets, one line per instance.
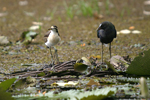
[3, 87]
[140, 65]
[69, 10]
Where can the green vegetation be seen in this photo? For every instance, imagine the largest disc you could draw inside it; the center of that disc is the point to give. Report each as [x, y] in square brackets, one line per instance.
[85, 8]
[3, 87]
[6, 84]
[80, 29]
[82, 7]
[69, 10]
[51, 12]
[140, 65]
[107, 7]
[41, 74]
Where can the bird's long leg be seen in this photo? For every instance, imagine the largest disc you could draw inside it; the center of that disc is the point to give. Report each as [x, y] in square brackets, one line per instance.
[56, 55]
[51, 56]
[110, 49]
[102, 53]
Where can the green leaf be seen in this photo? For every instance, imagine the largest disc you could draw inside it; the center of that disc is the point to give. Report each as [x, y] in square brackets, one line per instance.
[5, 95]
[3, 87]
[31, 33]
[79, 67]
[20, 84]
[111, 66]
[6, 84]
[140, 65]
[41, 74]
[27, 36]
[97, 94]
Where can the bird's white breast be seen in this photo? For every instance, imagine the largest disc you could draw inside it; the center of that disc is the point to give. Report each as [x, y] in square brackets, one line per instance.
[52, 39]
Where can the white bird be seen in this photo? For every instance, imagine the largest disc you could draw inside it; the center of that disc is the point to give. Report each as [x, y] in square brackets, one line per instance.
[53, 38]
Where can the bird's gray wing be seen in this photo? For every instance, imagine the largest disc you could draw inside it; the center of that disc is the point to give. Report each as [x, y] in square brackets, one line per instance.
[47, 34]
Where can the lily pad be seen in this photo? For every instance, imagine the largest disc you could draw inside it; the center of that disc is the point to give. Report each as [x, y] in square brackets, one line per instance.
[79, 67]
[140, 65]
[86, 61]
[6, 84]
[92, 82]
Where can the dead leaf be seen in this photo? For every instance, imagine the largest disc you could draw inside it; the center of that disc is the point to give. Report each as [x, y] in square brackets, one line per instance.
[131, 27]
[98, 16]
[92, 82]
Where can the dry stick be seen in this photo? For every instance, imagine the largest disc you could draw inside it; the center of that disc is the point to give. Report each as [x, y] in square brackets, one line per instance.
[59, 65]
[28, 73]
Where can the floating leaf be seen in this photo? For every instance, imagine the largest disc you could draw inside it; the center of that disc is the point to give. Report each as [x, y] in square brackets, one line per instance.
[111, 66]
[6, 84]
[140, 65]
[20, 84]
[86, 61]
[92, 82]
[79, 67]
[5, 95]
[41, 74]
[117, 60]
[97, 94]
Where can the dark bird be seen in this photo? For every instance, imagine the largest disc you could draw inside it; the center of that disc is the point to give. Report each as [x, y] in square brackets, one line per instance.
[53, 38]
[106, 32]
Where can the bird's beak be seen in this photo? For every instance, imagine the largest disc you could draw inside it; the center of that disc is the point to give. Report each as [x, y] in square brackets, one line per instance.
[98, 28]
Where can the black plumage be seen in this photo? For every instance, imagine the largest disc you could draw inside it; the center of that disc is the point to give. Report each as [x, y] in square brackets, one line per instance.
[106, 32]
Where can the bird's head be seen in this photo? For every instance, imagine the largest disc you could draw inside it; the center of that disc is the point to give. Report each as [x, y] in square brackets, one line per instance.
[53, 28]
[104, 25]
[99, 27]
